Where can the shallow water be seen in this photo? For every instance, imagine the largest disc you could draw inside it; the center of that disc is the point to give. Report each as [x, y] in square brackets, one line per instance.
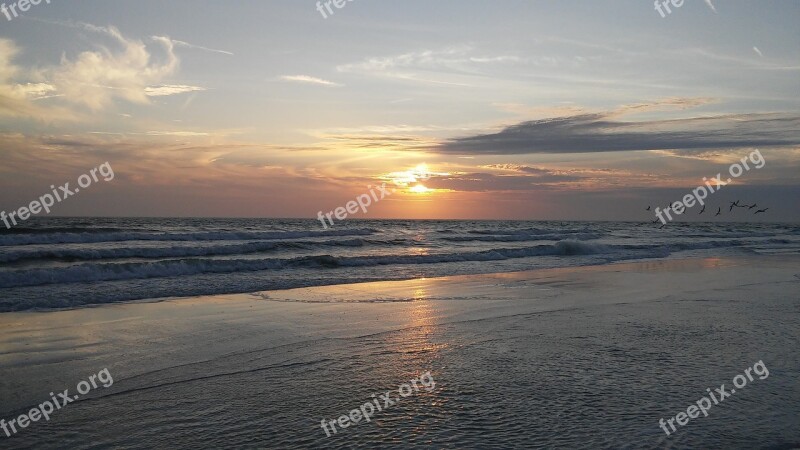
[574, 362]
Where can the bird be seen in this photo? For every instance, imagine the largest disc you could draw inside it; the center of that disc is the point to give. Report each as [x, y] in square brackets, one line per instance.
[662, 226]
[719, 212]
[754, 205]
[648, 208]
[736, 203]
[703, 210]
[761, 211]
[656, 221]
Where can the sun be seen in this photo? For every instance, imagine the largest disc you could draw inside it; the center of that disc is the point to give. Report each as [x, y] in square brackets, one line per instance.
[421, 172]
[410, 180]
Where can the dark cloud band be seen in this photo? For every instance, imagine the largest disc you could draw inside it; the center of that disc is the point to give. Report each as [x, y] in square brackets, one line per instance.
[588, 133]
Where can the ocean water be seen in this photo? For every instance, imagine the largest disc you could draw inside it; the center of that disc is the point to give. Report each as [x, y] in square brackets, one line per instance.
[68, 262]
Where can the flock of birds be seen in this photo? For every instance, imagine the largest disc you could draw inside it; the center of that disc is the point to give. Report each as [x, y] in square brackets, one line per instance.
[719, 209]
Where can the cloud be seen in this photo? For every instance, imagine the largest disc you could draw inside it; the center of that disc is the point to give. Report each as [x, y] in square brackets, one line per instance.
[119, 68]
[199, 47]
[381, 142]
[452, 57]
[519, 168]
[113, 32]
[310, 80]
[599, 132]
[429, 66]
[170, 89]
[565, 177]
[18, 99]
[35, 90]
[96, 78]
[176, 133]
[736, 62]
[666, 104]
[491, 182]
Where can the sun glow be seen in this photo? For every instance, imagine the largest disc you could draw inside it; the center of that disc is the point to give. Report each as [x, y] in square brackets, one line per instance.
[420, 189]
[411, 176]
[410, 181]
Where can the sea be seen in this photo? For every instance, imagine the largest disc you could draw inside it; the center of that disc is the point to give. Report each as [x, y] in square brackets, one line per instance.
[56, 263]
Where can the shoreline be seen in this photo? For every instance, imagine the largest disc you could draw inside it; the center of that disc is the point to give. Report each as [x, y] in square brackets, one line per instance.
[620, 263]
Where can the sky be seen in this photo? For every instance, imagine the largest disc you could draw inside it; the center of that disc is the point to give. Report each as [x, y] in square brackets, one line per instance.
[536, 110]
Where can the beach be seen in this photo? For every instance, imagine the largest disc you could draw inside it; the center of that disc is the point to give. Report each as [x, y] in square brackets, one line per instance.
[399, 225]
[564, 357]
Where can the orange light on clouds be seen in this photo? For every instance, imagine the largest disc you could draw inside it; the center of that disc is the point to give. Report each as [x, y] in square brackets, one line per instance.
[411, 176]
[420, 189]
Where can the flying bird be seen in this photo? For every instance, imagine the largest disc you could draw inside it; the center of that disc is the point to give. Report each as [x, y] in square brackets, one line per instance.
[754, 205]
[648, 208]
[737, 205]
[719, 212]
[703, 210]
[761, 211]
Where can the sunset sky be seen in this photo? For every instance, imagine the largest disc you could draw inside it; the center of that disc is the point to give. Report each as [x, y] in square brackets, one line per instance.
[519, 109]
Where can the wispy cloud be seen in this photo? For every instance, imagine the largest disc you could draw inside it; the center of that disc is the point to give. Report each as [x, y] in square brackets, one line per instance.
[451, 57]
[170, 89]
[200, 47]
[34, 90]
[749, 62]
[309, 80]
[109, 31]
[449, 66]
[176, 133]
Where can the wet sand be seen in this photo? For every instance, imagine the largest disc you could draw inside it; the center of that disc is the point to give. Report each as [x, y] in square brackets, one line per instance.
[578, 357]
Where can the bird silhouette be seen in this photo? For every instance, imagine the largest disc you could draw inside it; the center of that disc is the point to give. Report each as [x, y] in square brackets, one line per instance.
[761, 211]
[703, 210]
[736, 203]
[754, 205]
[719, 212]
[656, 221]
[648, 209]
